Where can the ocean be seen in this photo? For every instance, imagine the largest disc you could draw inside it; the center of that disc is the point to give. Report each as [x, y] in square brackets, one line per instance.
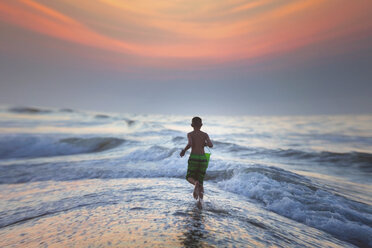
[71, 178]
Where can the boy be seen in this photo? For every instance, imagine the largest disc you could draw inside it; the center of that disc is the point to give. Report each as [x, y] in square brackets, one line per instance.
[197, 163]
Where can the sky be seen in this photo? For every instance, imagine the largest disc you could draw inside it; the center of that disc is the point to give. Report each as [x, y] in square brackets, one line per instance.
[227, 57]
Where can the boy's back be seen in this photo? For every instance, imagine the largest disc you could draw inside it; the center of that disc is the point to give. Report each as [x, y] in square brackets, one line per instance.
[197, 141]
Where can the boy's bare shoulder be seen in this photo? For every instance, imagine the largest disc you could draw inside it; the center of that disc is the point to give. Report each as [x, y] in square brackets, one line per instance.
[204, 133]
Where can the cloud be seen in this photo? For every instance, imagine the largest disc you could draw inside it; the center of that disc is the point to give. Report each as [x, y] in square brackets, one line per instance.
[200, 31]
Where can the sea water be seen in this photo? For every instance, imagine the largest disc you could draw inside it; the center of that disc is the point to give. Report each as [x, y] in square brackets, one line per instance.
[77, 178]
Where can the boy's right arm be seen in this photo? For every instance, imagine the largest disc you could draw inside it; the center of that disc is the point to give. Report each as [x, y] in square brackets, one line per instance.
[189, 144]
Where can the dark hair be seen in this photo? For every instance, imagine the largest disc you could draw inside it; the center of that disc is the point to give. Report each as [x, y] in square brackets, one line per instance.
[197, 121]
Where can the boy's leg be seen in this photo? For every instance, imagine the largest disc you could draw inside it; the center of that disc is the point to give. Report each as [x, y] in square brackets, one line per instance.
[200, 178]
[191, 180]
[196, 189]
[192, 176]
[200, 175]
[201, 191]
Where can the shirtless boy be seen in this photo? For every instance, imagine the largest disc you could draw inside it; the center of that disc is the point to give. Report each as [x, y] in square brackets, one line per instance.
[197, 163]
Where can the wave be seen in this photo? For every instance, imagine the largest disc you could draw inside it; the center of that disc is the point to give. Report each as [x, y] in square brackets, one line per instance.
[101, 116]
[337, 138]
[152, 154]
[297, 198]
[66, 110]
[155, 161]
[96, 144]
[359, 160]
[134, 165]
[28, 146]
[179, 140]
[28, 110]
[130, 122]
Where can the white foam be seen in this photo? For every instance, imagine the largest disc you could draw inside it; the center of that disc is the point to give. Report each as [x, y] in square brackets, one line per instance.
[297, 200]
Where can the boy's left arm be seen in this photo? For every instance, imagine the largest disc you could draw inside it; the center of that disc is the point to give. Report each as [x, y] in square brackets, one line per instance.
[208, 141]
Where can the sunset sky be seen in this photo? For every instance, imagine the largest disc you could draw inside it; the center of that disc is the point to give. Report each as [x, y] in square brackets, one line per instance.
[266, 57]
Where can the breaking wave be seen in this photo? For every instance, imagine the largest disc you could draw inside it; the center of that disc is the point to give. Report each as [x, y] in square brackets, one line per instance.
[27, 146]
[297, 198]
[359, 160]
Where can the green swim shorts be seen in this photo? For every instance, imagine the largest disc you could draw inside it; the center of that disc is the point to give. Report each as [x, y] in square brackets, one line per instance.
[197, 166]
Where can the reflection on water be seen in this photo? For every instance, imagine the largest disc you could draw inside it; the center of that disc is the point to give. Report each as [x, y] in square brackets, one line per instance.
[195, 234]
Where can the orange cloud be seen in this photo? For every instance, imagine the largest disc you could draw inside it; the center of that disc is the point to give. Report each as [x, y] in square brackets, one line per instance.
[190, 30]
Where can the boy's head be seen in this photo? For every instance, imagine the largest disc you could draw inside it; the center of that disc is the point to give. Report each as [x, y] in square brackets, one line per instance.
[196, 122]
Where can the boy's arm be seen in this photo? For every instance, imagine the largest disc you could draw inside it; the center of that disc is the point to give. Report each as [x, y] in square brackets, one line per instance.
[187, 146]
[208, 142]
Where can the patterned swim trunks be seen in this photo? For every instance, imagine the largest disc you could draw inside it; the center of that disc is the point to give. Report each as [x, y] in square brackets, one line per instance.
[197, 166]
